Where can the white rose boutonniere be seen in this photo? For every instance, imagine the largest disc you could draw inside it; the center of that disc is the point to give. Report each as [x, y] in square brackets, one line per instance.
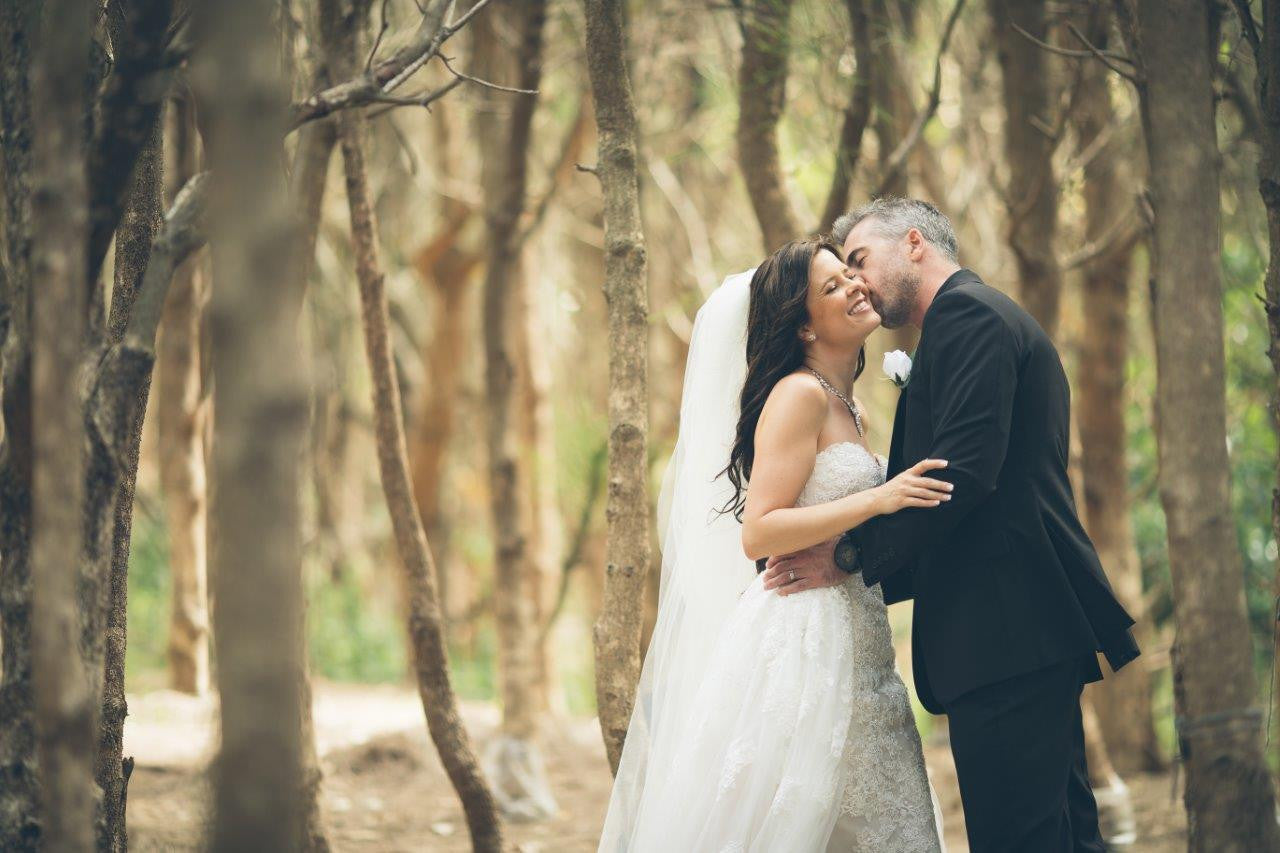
[897, 366]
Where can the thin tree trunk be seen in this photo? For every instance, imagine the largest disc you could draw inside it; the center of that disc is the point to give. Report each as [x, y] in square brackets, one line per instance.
[62, 584]
[513, 760]
[316, 142]
[446, 269]
[141, 217]
[891, 83]
[260, 417]
[426, 628]
[1229, 796]
[1267, 55]
[182, 409]
[538, 456]
[1031, 195]
[617, 630]
[890, 89]
[856, 115]
[1123, 702]
[762, 84]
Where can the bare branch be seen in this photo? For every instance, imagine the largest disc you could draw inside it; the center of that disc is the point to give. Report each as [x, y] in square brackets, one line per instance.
[898, 159]
[456, 73]
[1102, 55]
[377, 41]
[1123, 233]
[182, 233]
[385, 76]
[1066, 51]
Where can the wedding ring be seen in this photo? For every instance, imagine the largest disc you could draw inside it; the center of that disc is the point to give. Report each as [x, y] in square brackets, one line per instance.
[793, 574]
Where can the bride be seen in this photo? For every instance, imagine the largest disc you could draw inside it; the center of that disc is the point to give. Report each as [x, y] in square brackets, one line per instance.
[768, 722]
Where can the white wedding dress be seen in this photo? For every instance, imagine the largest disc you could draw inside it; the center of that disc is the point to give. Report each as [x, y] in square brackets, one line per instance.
[762, 722]
[801, 737]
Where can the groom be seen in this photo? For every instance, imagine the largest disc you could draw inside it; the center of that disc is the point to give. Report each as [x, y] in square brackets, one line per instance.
[1011, 604]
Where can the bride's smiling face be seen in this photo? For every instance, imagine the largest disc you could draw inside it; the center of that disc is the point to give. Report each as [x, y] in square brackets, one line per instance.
[838, 304]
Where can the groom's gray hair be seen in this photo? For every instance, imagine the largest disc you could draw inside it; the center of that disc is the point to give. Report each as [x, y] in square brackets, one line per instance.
[895, 216]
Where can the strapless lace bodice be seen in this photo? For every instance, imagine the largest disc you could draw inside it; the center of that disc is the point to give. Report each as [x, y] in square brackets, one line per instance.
[841, 469]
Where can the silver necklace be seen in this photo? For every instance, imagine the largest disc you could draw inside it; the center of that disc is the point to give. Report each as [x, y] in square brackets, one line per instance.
[853, 410]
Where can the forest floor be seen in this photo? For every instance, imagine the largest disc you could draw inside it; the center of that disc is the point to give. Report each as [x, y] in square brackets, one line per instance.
[384, 789]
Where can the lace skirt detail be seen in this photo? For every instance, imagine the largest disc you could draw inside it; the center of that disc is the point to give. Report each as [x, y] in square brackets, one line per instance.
[785, 738]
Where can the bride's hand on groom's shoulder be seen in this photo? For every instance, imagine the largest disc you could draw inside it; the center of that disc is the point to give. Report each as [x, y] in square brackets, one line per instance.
[913, 488]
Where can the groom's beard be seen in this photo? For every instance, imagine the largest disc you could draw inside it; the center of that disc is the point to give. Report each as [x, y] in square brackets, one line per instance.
[897, 295]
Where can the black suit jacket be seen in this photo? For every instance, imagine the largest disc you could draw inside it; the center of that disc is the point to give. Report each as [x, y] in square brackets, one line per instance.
[1004, 578]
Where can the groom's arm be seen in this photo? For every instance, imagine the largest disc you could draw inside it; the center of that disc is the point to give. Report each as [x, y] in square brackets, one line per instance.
[973, 368]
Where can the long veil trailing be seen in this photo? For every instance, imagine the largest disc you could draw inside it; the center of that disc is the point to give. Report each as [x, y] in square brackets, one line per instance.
[704, 570]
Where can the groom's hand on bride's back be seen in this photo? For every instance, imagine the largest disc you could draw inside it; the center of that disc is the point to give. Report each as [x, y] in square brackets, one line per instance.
[813, 568]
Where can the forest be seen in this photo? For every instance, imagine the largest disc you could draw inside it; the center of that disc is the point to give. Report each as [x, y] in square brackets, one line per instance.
[342, 358]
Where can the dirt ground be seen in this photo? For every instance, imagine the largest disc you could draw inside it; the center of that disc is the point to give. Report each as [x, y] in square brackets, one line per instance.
[384, 789]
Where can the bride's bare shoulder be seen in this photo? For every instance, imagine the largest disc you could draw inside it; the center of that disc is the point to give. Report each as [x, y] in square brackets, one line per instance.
[798, 398]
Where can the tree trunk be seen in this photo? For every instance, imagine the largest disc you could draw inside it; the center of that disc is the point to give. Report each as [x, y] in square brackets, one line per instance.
[19, 786]
[1031, 195]
[260, 416]
[856, 115]
[1267, 54]
[183, 406]
[140, 221]
[1123, 702]
[63, 586]
[762, 84]
[892, 110]
[446, 268]
[538, 456]
[617, 630]
[1229, 797]
[316, 142]
[890, 87]
[426, 628]
[514, 760]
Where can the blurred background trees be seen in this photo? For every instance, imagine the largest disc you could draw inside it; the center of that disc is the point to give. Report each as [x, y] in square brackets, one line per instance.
[755, 120]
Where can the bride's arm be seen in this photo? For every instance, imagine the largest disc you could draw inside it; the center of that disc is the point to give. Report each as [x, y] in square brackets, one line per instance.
[786, 443]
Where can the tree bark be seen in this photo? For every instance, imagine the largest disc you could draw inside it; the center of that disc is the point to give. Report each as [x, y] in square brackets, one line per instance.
[762, 84]
[1267, 55]
[117, 383]
[140, 221]
[513, 760]
[1031, 195]
[1123, 702]
[63, 586]
[260, 416]
[19, 784]
[1229, 796]
[617, 630]
[183, 407]
[426, 629]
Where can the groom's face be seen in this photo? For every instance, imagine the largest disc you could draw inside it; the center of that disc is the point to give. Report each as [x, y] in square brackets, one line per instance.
[892, 280]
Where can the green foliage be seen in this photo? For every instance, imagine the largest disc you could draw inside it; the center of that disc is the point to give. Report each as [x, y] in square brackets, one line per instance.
[354, 635]
[150, 592]
[1252, 446]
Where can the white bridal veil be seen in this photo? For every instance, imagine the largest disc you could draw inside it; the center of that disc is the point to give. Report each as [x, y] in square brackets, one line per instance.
[704, 570]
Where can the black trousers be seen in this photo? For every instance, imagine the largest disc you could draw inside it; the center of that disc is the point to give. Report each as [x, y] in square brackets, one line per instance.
[1020, 761]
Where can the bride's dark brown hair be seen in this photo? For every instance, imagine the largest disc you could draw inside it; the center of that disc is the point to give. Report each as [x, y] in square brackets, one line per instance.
[775, 314]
